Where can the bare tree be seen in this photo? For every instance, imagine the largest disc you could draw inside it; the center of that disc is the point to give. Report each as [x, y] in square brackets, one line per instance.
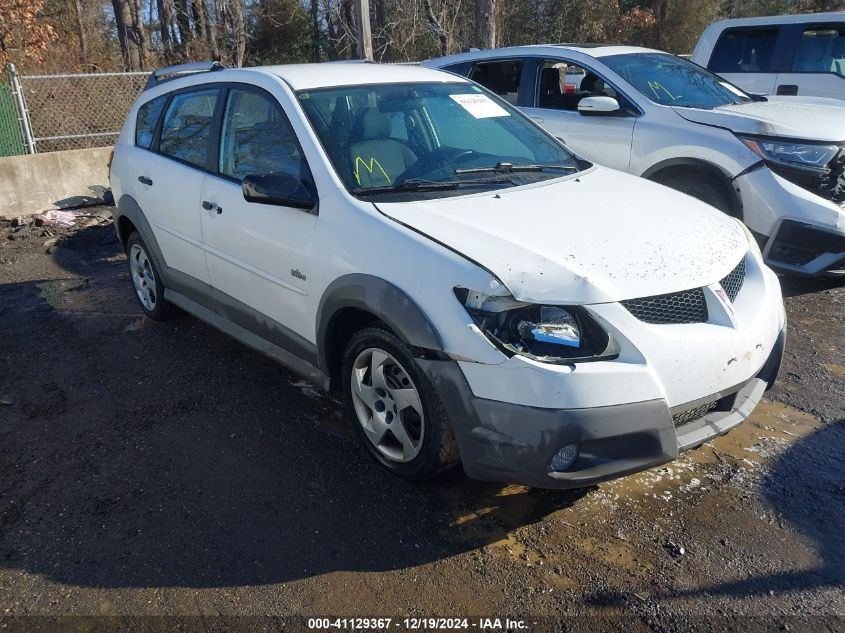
[130, 33]
[315, 28]
[437, 28]
[83, 35]
[485, 23]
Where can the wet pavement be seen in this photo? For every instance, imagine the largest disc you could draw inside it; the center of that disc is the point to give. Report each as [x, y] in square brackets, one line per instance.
[164, 469]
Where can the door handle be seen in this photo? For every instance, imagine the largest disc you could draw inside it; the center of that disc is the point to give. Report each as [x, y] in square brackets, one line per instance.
[787, 89]
[210, 206]
[538, 119]
[145, 181]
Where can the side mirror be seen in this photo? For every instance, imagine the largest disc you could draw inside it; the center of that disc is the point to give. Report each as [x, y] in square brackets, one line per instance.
[597, 106]
[282, 190]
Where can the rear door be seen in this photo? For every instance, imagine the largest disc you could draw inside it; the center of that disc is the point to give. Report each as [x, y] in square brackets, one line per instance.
[747, 57]
[816, 63]
[170, 179]
[556, 89]
[259, 255]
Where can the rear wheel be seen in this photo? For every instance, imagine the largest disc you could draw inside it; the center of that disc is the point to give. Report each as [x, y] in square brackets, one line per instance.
[397, 414]
[149, 287]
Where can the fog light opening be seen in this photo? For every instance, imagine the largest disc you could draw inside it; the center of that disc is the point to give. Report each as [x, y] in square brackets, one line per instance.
[565, 457]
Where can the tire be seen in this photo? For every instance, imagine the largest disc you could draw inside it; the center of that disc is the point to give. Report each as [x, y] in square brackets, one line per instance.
[147, 281]
[703, 188]
[413, 441]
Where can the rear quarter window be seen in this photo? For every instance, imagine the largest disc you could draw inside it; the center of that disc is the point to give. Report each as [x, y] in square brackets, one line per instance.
[146, 121]
[744, 50]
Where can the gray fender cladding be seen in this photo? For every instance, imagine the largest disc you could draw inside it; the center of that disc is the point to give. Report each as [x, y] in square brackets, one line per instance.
[127, 207]
[191, 287]
[382, 299]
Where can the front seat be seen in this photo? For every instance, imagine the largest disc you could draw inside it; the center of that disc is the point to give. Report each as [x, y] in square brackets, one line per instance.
[549, 88]
[375, 158]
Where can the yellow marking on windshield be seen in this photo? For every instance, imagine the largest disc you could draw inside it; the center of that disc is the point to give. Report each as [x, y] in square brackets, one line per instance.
[656, 85]
[370, 168]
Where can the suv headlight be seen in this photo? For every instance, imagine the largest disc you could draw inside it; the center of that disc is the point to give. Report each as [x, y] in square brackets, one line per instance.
[810, 156]
[545, 333]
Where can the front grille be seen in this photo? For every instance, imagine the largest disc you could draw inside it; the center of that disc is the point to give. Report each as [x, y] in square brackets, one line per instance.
[732, 284]
[829, 184]
[690, 415]
[688, 306]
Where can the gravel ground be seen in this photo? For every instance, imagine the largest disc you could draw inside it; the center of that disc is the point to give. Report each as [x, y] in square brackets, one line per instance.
[165, 470]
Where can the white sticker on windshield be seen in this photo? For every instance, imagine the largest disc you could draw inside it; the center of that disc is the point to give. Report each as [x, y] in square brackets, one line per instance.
[480, 106]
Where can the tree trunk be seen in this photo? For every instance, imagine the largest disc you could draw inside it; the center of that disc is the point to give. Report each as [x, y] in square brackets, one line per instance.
[331, 30]
[183, 22]
[238, 32]
[127, 34]
[442, 35]
[315, 28]
[83, 36]
[485, 23]
[164, 18]
[140, 32]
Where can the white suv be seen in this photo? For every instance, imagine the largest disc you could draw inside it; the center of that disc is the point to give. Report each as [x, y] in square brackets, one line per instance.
[777, 164]
[786, 55]
[478, 292]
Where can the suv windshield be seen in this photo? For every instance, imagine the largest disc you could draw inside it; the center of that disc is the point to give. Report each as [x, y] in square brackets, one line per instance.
[407, 141]
[670, 80]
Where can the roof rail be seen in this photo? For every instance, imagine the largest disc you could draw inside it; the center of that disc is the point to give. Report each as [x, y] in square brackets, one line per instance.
[171, 72]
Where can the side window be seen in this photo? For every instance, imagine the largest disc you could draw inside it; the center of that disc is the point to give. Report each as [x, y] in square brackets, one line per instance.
[257, 139]
[186, 130]
[744, 50]
[146, 121]
[501, 77]
[561, 86]
[821, 50]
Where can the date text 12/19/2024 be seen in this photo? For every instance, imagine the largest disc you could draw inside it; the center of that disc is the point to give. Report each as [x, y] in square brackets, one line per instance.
[416, 624]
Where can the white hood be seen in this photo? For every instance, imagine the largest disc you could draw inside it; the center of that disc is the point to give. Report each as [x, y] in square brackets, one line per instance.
[595, 237]
[807, 118]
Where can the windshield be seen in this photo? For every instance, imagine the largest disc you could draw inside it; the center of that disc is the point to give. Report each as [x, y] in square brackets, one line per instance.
[670, 80]
[408, 141]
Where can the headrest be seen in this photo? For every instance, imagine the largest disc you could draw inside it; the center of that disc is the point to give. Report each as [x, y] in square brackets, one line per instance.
[550, 80]
[373, 125]
[839, 46]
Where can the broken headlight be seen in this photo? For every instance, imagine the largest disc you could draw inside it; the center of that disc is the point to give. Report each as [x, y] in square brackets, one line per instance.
[545, 333]
[806, 156]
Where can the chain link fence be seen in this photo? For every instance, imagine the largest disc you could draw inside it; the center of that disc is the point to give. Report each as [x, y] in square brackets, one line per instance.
[77, 111]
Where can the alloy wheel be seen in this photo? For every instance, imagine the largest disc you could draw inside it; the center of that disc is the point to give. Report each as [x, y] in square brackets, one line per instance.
[143, 277]
[387, 405]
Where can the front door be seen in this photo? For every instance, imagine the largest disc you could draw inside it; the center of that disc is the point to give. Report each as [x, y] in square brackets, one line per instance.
[259, 255]
[605, 139]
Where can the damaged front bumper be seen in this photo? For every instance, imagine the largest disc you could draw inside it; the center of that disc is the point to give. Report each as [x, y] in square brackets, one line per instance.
[804, 233]
[506, 442]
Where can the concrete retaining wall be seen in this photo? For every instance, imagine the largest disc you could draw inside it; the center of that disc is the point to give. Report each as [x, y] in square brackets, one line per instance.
[33, 183]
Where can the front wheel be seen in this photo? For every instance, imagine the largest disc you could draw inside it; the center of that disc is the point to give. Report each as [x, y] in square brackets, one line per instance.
[397, 414]
[702, 188]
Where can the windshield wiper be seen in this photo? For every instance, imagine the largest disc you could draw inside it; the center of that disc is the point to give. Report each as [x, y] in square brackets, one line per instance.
[509, 168]
[418, 184]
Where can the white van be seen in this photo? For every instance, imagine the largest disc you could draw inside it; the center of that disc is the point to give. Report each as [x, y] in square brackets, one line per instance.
[785, 55]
